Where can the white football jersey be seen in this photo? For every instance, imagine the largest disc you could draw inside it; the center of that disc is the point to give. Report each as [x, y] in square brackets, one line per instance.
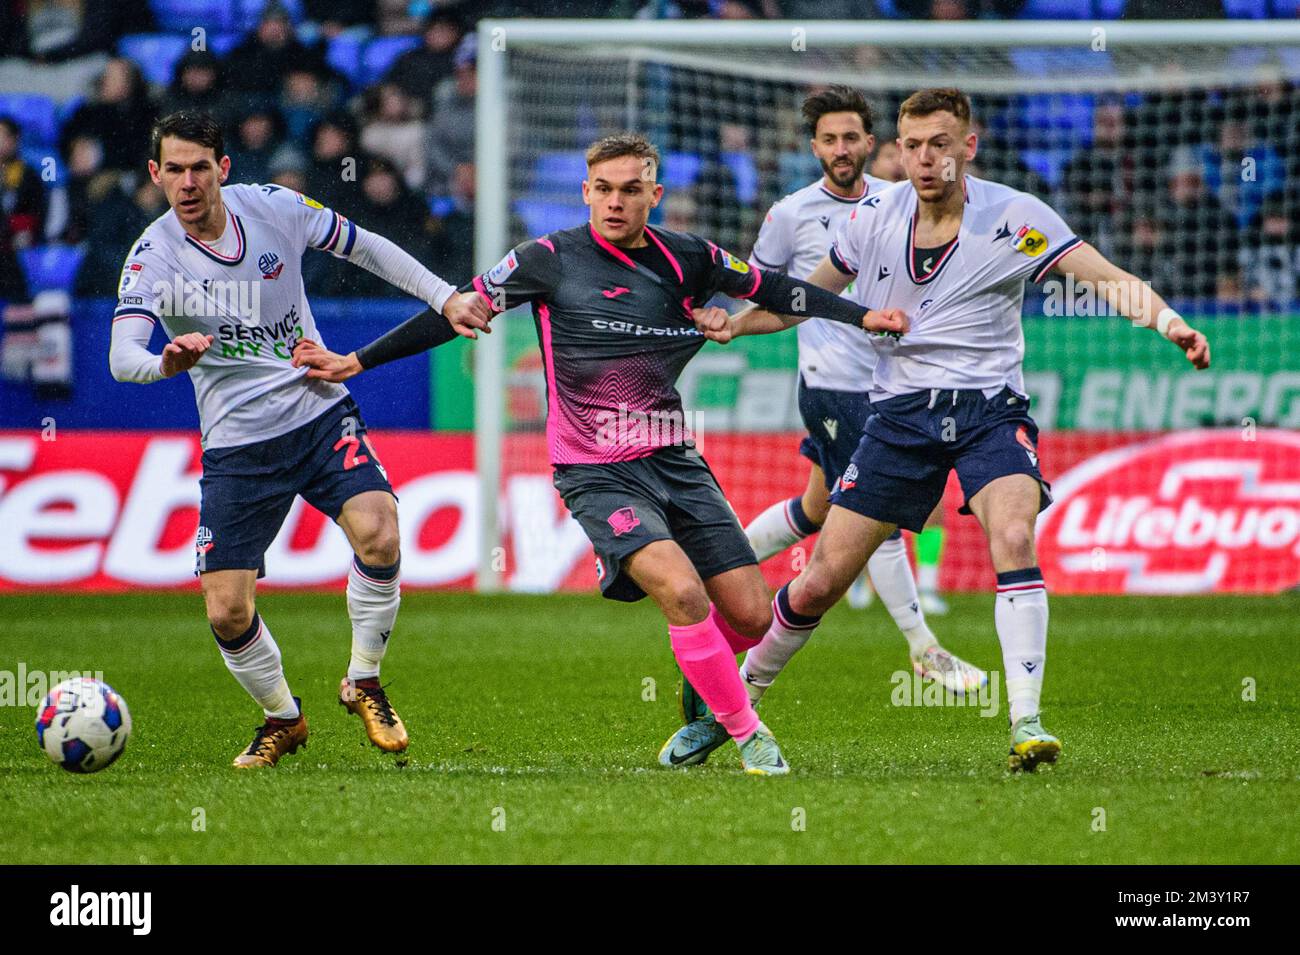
[795, 237]
[246, 291]
[965, 314]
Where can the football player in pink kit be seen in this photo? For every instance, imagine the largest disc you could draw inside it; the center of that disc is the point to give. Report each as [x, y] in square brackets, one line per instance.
[952, 252]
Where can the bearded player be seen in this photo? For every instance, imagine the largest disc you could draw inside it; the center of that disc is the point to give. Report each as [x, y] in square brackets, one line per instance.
[222, 273]
[952, 252]
[613, 302]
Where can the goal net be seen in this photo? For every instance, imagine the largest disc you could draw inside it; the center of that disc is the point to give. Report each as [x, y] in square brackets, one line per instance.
[1174, 148]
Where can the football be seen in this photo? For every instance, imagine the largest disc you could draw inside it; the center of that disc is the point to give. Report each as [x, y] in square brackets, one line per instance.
[83, 725]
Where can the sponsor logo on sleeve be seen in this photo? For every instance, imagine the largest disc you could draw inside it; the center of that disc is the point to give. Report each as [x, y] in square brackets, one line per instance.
[1029, 241]
[130, 276]
[309, 202]
[498, 274]
[731, 262]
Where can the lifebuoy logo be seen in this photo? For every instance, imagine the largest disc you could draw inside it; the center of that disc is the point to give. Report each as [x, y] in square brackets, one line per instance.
[1194, 512]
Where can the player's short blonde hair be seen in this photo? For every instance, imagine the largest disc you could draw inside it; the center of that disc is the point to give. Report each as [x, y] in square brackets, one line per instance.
[625, 144]
[945, 99]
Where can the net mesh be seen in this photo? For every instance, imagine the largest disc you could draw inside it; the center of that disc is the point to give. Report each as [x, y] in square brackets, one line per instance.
[1180, 162]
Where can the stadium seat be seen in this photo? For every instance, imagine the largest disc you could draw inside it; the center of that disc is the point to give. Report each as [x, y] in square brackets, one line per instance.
[155, 53]
[380, 55]
[1055, 61]
[541, 216]
[441, 206]
[184, 15]
[746, 173]
[1048, 163]
[1057, 10]
[1110, 9]
[558, 173]
[1290, 57]
[50, 267]
[680, 170]
[35, 114]
[35, 157]
[1285, 9]
[222, 43]
[344, 53]
[1245, 9]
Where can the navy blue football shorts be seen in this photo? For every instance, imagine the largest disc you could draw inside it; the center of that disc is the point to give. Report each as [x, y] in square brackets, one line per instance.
[668, 495]
[911, 443]
[247, 490]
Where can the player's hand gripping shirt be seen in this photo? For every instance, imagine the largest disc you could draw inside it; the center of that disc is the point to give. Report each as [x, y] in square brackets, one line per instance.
[614, 334]
[795, 237]
[965, 311]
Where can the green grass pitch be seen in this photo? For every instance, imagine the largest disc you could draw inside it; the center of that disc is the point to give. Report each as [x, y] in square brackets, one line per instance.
[533, 741]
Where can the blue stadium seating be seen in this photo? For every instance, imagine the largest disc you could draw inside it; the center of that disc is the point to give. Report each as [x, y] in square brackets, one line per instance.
[558, 173]
[1246, 9]
[155, 53]
[541, 216]
[222, 43]
[1057, 10]
[1110, 9]
[50, 267]
[380, 55]
[35, 157]
[344, 54]
[185, 15]
[37, 115]
[1284, 9]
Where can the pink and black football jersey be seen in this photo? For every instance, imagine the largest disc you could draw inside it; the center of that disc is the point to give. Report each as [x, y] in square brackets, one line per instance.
[615, 332]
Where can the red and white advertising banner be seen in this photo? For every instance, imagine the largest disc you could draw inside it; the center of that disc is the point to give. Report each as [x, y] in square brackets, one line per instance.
[1189, 512]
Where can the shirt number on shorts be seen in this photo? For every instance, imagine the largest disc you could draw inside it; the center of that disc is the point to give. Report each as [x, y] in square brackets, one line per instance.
[350, 457]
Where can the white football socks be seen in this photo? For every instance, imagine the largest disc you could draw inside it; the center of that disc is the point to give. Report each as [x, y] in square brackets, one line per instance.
[780, 526]
[254, 660]
[1020, 615]
[788, 633]
[374, 594]
[891, 574]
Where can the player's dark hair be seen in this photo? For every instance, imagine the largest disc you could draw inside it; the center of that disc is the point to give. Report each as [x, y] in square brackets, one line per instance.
[190, 125]
[624, 144]
[836, 99]
[941, 100]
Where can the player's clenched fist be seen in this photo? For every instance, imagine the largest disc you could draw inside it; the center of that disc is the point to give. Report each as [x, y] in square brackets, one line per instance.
[324, 364]
[183, 352]
[886, 320]
[1196, 345]
[714, 322]
[469, 313]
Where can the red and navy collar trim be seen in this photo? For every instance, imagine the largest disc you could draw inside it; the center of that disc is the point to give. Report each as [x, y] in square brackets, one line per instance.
[858, 198]
[218, 257]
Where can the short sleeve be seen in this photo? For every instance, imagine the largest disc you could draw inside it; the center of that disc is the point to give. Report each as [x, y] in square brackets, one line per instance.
[774, 246]
[1040, 240]
[316, 226]
[846, 251]
[528, 272]
[143, 287]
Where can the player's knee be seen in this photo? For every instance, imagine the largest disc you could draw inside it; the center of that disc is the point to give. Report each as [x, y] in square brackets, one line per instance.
[820, 587]
[382, 548]
[1015, 543]
[684, 600]
[229, 616]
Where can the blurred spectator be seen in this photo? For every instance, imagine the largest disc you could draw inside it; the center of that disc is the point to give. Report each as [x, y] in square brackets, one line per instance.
[451, 246]
[335, 161]
[1240, 172]
[1141, 246]
[196, 84]
[392, 128]
[59, 30]
[116, 221]
[959, 9]
[1270, 265]
[306, 98]
[451, 131]
[1000, 161]
[82, 179]
[393, 18]
[259, 65]
[420, 70]
[386, 206]
[288, 168]
[22, 211]
[119, 117]
[335, 16]
[1200, 238]
[679, 212]
[887, 163]
[1098, 181]
[255, 137]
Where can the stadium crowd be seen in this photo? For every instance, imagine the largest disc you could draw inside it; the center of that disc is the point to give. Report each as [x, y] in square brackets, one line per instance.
[368, 106]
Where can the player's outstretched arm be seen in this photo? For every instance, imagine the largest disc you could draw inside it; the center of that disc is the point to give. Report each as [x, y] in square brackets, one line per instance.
[129, 358]
[782, 302]
[1134, 299]
[417, 334]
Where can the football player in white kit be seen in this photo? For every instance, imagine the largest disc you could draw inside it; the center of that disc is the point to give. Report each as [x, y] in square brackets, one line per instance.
[221, 271]
[952, 252]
